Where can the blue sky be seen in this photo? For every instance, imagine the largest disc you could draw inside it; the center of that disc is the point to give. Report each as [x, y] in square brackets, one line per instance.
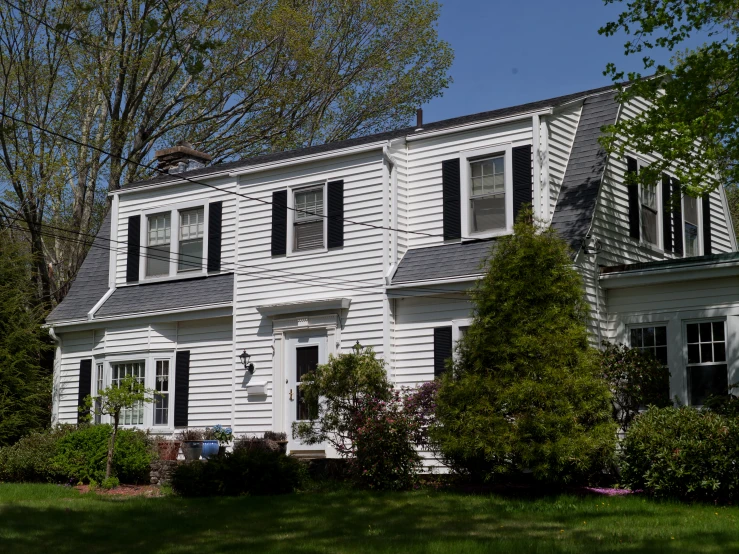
[508, 53]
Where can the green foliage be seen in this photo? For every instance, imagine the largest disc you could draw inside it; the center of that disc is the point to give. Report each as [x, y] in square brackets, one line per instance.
[636, 380]
[341, 385]
[25, 385]
[693, 102]
[110, 483]
[526, 392]
[31, 459]
[82, 455]
[724, 404]
[682, 453]
[245, 471]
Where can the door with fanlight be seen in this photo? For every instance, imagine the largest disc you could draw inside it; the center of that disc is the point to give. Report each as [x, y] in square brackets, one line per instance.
[304, 353]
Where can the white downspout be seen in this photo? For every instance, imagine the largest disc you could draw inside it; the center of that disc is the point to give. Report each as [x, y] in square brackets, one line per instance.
[56, 377]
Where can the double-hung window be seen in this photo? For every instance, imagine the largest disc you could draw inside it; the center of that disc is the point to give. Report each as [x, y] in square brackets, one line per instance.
[649, 215]
[690, 216]
[707, 368]
[161, 399]
[135, 414]
[159, 238]
[487, 195]
[99, 386]
[191, 240]
[308, 220]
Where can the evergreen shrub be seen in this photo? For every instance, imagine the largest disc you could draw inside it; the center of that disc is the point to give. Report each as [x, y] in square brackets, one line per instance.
[682, 453]
[244, 471]
[31, 459]
[526, 393]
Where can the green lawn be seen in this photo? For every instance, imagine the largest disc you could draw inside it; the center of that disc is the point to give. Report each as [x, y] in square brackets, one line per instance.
[48, 518]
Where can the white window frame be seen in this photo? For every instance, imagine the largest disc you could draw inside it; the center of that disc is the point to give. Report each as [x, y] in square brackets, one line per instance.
[149, 359]
[660, 245]
[684, 346]
[291, 191]
[174, 245]
[465, 181]
[699, 223]
[633, 326]
[457, 325]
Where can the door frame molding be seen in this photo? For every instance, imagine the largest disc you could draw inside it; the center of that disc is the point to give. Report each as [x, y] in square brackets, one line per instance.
[280, 327]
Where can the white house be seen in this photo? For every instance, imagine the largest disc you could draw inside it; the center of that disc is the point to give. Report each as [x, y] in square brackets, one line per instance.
[292, 256]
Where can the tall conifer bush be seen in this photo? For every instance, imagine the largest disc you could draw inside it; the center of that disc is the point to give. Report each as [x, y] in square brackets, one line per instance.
[525, 393]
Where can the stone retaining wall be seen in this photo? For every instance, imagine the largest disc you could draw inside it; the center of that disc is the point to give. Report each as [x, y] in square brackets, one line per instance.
[161, 471]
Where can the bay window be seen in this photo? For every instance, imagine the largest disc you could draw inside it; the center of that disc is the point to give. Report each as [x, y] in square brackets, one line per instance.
[161, 399]
[119, 371]
[706, 364]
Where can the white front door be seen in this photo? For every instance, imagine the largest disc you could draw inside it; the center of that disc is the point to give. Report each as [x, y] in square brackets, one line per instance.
[305, 350]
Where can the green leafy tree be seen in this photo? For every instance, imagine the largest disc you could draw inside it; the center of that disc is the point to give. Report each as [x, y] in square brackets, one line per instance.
[335, 393]
[25, 384]
[125, 395]
[526, 392]
[692, 122]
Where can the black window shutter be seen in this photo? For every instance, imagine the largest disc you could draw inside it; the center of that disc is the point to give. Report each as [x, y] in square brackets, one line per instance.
[706, 207]
[335, 214]
[181, 388]
[452, 199]
[85, 384]
[133, 249]
[279, 223]
[678, 218]
[215, 220]
[523, 178]
[442, 348]
[667, 212]
[634, 231]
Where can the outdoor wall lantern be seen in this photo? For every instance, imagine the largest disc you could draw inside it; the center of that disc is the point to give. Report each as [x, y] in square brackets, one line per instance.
[244, 357]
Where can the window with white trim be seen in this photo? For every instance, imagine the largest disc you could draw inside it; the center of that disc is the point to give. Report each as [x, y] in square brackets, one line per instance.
[706, 364]
[651, 340]
[649, 215]
[135, 414]
[690, 223]
[308, 220]
[191, 240]
[99, 385]
[487, 195]
[159, 238]
[161, 398]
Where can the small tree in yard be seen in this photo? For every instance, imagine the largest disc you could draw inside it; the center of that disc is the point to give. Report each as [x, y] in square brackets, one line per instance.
[526, 393]
[112, 401]
[636, 379]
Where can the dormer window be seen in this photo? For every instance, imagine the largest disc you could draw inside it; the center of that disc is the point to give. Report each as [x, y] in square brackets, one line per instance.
[191, 240]
[487, 195]
[158, 244]
[690, 211]
[649, 215]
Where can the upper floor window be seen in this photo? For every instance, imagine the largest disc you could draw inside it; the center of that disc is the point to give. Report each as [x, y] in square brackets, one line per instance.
[706, 367]
[159, 238]
[649, 215]
[191, 240]
[308, 220]
[487, 195]
[690, 216]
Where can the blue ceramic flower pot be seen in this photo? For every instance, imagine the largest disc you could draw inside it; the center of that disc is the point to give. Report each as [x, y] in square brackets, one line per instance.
[210, 448]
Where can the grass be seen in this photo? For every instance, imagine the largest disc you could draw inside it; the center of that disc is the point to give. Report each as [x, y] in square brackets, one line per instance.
[50, 518]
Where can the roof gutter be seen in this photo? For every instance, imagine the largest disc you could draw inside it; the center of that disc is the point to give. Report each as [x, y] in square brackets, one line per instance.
[700, 270]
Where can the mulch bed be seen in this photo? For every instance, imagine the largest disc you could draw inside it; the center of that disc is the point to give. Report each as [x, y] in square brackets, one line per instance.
[123, 490]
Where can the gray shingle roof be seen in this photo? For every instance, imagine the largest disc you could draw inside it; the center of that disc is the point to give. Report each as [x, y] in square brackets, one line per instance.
[91, 282]
[579, 192]
[169, 295]
[358, 141]
[442, 262]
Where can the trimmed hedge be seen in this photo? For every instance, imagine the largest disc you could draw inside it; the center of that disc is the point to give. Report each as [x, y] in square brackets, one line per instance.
[245, 471]
[67, 453]
[683, 453]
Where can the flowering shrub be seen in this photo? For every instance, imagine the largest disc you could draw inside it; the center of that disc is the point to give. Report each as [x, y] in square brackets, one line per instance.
[636, 380]
[222, 434]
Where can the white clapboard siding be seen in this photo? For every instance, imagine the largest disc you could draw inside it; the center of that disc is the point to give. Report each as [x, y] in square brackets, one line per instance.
[354, 271]
[76, 346]
[415, 320]
[562, 126]
[211, 369]
[135, 203]
[425, 206]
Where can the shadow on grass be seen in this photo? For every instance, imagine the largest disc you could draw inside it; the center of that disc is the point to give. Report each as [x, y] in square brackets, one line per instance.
[361, 522]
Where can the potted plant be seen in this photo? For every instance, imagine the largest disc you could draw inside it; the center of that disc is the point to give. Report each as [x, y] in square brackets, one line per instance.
[192, 443]
[210, 443]
[279, 438]
[167, 449]
[223, 435]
